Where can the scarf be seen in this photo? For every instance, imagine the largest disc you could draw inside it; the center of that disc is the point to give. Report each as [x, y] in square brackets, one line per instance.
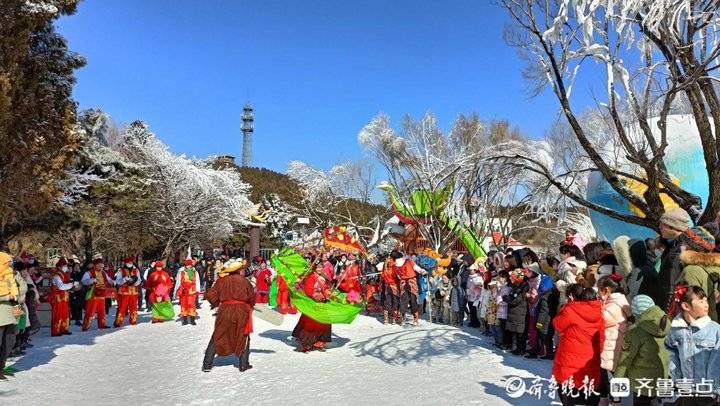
[189, 272]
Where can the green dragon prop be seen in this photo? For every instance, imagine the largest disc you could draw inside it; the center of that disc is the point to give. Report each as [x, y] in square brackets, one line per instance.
[423, 204]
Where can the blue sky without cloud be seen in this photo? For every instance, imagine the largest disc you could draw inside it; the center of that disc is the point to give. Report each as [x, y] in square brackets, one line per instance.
[315, 71]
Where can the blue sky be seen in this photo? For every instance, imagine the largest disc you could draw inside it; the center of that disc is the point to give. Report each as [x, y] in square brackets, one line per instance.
[315, 71]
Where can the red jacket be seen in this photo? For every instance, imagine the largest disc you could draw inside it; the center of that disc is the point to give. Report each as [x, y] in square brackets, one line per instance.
[57, 295]
[160, 285]
[263, 279]
[406, 270]
[315, 287]
[350, 279]
[388, 273]
[582, 336]
[130, 289]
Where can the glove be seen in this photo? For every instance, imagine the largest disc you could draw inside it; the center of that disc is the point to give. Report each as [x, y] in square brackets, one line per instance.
[539, 326]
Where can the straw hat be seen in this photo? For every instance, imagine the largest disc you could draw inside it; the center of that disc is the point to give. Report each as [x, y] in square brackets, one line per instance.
[232, 266]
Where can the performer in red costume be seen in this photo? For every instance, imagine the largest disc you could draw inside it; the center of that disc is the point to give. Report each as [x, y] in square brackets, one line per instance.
[128, 281]
[312, 334]
[405, 269]
[263, 279]
[283, 297]
[58, 297]
[187, 286]
[350, 280]
[159, 283]
[99, 287]
[389, 291]
[372, 293]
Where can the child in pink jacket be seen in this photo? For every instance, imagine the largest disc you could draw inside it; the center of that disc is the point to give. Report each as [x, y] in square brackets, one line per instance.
[616, 311]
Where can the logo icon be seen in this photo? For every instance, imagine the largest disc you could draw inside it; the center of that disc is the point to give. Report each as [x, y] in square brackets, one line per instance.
[620, 387]
[515, 387]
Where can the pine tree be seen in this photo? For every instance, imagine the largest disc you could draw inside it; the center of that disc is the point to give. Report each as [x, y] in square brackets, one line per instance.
[37, 113]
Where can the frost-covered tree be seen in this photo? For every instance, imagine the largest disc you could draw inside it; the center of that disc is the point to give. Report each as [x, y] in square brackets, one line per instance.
[189, 201]
[333, 197]
[656, 56]
[94, 161]
[281, 216]
[37, 113]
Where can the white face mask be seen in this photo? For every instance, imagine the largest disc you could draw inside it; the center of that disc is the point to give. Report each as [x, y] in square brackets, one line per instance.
[128, 265]
[65, 269]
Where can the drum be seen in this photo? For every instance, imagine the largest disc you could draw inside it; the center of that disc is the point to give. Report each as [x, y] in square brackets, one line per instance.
[105, 292]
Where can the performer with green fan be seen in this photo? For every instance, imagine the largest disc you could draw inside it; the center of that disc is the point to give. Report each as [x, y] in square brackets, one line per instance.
[312, 334]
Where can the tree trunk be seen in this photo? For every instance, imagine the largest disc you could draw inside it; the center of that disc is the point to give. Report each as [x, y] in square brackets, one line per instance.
[88, 242]
[254, 241]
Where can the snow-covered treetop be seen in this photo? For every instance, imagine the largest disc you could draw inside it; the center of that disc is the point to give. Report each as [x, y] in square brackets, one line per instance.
[191, 200]
[41, 7]
[422, 156]
[95, 160]
[317, 183]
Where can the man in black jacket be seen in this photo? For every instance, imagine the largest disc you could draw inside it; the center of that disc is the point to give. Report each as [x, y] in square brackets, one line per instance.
[672, 224]
[77, 296]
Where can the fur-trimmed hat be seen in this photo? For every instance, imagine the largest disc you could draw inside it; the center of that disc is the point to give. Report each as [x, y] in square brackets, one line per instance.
[621, 249]
[698, 239]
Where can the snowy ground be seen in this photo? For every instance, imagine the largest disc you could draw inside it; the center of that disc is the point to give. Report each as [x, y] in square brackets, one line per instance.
[367, 363]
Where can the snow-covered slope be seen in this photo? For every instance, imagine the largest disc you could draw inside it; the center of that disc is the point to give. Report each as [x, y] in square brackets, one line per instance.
[366, 364]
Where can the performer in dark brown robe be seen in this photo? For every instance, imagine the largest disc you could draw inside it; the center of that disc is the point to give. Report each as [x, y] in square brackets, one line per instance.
[235, 297]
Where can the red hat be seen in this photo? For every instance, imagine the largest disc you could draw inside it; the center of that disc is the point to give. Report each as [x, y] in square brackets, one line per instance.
[158, 264]
[61, 262]
[129, 260]
[188, 262]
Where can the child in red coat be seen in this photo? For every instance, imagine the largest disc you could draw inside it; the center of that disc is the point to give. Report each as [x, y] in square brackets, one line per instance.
[263, 279]
[582, 335]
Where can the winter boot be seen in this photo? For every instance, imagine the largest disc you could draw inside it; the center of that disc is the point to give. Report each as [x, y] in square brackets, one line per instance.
[192, 320]
[385, 317]
[185, 320]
